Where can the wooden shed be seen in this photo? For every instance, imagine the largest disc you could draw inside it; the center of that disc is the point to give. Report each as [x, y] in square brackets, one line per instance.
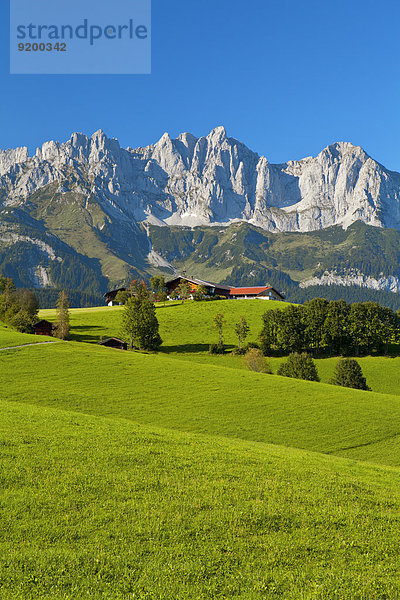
[43, 327]
[114, 342]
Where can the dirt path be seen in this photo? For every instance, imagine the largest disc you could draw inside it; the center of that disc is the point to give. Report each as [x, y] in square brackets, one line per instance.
[34, 344]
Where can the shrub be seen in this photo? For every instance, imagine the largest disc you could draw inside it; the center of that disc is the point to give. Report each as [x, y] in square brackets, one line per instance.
[255, 361]
[216, 349]
[348, 374]
[299, 366]
[245, 349]
[250, 345]
[239, 351]
[22, 321]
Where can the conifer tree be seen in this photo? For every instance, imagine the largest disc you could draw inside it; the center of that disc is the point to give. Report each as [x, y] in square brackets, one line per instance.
[348, 374]
[62, 318]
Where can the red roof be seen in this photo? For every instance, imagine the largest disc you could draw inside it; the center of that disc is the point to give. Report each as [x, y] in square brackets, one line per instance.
[245, 291]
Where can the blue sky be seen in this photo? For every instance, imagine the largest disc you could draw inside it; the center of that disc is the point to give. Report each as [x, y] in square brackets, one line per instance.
[285, 77]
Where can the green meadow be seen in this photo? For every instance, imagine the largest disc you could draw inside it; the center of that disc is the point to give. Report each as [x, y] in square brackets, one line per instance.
[93, 507]
[158, 390]
[184, 327]
[187, 331]
[180, 475]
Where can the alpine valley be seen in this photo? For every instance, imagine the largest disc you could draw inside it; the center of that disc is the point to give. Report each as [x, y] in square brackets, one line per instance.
[88, 214]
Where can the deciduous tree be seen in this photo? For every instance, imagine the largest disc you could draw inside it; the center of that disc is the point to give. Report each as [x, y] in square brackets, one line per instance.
[242, 331]
[184, 290]
[291, 335]
[200, 293]
[140, 324]
[299, 366]
[157, 284]
[315, 312]
[269, 335]
[219, 322]
[336, 327]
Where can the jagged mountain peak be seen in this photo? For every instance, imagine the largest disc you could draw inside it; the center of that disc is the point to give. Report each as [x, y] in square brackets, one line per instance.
[212, 179]
[338, 150]
[217, 135]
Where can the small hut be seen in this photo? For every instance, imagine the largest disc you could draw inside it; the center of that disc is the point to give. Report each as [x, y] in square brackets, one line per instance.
[43, 327]
[114, 342]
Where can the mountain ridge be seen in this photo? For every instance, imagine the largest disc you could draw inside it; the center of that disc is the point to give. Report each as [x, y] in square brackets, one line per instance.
[92, 203]
[214, 179]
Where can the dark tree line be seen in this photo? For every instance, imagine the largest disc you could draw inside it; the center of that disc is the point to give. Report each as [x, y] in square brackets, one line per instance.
[350, 294]
[335, 328]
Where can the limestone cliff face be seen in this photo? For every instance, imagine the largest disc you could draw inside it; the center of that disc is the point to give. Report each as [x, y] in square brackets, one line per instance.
[86, 198]
[208, 180]
[354, 277]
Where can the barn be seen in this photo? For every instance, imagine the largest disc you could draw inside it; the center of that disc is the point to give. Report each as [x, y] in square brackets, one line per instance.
[213, 289]
[265, 293]
[43, 327]
[114, 342]
[226, 291]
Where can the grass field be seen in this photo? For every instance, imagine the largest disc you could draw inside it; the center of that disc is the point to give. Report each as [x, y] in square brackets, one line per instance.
[187, 331]
[158, 390]
[181, 475]
[106, 509]
[184, 327]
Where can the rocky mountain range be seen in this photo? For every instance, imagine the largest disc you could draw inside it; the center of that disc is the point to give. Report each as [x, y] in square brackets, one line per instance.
[85, 213]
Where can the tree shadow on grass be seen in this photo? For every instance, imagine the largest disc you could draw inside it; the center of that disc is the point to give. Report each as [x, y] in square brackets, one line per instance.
[185, 348]
[87, 336]
[158, 306]
[189, 348]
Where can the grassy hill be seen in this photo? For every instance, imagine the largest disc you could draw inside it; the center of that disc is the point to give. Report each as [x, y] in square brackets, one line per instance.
[187, 330]
[101, 508]
[183, 327]
[153, 390]
[180, 475]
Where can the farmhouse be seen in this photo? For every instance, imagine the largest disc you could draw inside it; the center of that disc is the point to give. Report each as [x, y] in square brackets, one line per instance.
[265, 293]
[43, 327]
[213, 289]
[227, 291]
[110, 296]
[114, 342]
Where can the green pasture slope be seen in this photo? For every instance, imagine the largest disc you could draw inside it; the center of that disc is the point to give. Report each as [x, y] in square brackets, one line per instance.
[128, 476]
[183, 327]
[100, 508]
[187, 330]
[157, 390]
